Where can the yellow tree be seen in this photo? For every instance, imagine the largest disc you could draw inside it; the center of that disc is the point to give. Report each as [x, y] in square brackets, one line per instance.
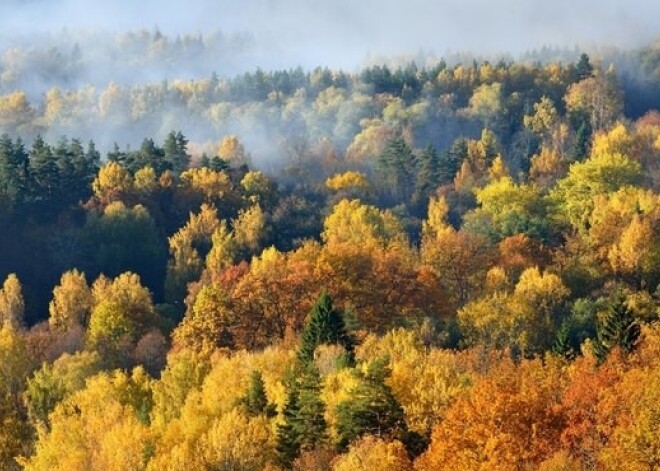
[371, 453]
[12, 305]
[112, 183]
[232, 150]
[72, 301]
[98, 428]
[510, 419]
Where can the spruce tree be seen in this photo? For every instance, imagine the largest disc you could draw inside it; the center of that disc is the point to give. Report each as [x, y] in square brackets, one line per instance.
[287, 439]
[584, 69]
[176, 152]
[372, 409]
[304, 426]
[428, 174]
[44, 171]
[325, 325]
[397, 168]
[255, 400]
[617, 328]
[562, 346]
[310, 422]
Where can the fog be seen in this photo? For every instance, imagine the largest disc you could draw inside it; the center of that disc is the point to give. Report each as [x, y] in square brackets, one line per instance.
[341, 33]
[82, 47]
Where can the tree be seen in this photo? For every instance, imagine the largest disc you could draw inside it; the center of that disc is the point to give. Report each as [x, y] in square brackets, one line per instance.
[428, 174]
[583, 68]
[255, 400]
[397, 168]
[232, 150]
[360, 225]
[304, 426]
[597, 98]
[509, 419]
[14, 170]
[12, 305]
[372, 409]
[72, 301]
[175, 152]
[370, 453]
[112, 182]
[616, 328]
[288, 445]
[574, 194]
[325, 325]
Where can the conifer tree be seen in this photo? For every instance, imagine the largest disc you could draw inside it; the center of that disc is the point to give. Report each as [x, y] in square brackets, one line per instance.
[288, 441]
[325, 325]
[617, 328]
[562, 346]
[310, 421]
[428, 174]
[255, 400]
[304, 426]
[372, 409]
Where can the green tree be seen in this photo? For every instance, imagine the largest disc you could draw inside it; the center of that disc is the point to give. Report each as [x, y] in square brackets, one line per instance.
[175, 151]
[583, 68]
[396, 166]
[325, 325]
[372, 408]
[616, 328]
[288, 444]
[304, 425]
[428, 173]
[255, 400]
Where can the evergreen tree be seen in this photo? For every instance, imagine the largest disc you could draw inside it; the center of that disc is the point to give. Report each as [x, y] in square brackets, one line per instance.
[562, 346]
[310, 422]
[397, 168]
[255, 400]
[428, 173]
[288, 441]
[218, 164]
[44, 171]
[582, 141]
[304, 425]
[149, 155]
[584, 69]
[325, 325]
[175, 151]
[617, 328]
[372, 409]
[14, 169]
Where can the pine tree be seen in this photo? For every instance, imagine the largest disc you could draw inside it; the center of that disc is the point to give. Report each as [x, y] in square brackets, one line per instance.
[255, 400]
[304, 426]
[582, 140]
[44, 171]
[14, 169]
[584, 69]
[288, 441]
[372, 409]
[617, 328]
[175, 152]
[562, 346]
[310, 422]
[397, 167]
[428, 174]
[325, 325]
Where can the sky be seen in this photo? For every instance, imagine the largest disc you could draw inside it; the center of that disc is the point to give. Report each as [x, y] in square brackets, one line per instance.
[342, 33]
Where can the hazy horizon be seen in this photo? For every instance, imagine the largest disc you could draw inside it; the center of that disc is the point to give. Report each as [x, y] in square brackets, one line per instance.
[288, 33]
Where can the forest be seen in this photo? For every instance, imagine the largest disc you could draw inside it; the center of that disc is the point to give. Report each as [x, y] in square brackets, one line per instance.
[447, 266]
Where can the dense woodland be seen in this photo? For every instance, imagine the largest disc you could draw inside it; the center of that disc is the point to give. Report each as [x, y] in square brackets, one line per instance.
[453, 267]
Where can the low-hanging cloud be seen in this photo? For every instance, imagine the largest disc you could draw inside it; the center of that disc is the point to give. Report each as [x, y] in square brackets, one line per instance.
[341, 33]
